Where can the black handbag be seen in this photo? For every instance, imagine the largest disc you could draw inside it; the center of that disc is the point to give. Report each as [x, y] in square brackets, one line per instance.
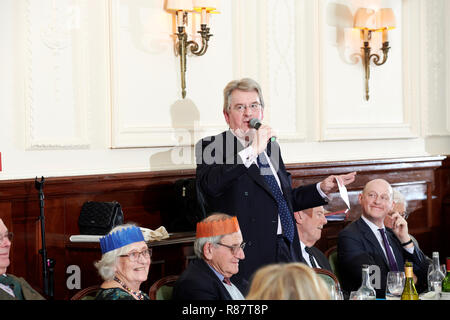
[98, 218]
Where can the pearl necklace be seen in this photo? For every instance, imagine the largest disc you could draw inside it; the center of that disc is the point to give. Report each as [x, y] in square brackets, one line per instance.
[139, 294]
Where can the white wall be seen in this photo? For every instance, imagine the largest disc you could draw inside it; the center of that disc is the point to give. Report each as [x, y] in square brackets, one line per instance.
[93, 86]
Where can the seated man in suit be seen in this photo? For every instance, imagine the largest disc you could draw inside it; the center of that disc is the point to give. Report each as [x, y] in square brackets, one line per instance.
[219, 247]
[368, 241]
[400, 206]
[12, 287]
[310, 223]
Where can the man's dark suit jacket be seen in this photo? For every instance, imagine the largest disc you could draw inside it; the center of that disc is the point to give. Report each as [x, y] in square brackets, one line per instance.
[357, 245]
[28, 292]
[321, 259]
[199, 282]
[229, 187]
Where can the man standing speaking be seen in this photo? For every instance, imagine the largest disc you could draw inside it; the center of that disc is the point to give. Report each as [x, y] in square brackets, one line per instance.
[240, 172]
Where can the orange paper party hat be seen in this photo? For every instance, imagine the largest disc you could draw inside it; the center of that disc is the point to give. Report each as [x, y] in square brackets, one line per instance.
[217, 227]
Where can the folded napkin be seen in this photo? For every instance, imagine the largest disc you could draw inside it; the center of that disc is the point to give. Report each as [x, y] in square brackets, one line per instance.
[85, 238]
[149, 235]
[155, 235]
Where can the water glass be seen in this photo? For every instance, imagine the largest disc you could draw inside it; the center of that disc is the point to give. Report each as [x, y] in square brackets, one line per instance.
[395, 282]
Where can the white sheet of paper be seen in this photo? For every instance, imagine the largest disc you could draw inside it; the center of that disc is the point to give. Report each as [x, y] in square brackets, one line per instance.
[343, 192]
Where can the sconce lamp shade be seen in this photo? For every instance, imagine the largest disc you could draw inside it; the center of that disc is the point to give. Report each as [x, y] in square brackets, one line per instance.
[386, 19]
[176, 5]
[210, 5]
[365, 19]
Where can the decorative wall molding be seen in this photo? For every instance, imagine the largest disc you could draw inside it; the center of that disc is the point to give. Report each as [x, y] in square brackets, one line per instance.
[447, 51]
[436, 52]
[141, 120]
[55, 32]
[283, 62]
[332, 129]
[266, 50]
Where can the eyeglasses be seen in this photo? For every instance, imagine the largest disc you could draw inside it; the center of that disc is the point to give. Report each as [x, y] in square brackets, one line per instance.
[234, 249]
[241, 107]
[134, 256]
[405, 214]
[8, 235]
[384, 197]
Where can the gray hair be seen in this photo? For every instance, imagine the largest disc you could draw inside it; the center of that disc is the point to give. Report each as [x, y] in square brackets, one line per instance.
[200, 242]
[106, 266]
[245, 84]
[398, 197]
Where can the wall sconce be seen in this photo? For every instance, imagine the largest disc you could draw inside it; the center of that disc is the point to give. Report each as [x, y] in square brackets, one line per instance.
[181, 9]
[369, 21]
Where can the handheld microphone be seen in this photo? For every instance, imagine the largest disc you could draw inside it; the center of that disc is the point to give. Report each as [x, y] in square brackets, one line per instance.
[255, 123]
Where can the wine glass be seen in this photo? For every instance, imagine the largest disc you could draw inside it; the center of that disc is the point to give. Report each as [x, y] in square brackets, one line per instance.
[395, 282]
[356, 295]
[336, 293]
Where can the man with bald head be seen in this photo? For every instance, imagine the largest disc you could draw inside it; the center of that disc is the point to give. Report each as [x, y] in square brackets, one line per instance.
[368, 241]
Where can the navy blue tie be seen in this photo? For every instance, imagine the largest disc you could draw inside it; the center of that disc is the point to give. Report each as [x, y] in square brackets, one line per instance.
[286, 219]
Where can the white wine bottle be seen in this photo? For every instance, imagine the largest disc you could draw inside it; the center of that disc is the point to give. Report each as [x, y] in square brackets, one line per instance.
[409, 291]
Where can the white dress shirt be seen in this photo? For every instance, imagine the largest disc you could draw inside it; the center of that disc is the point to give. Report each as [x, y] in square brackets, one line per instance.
[248, 158]
[6, 288]
[234, 292]
[306, 255]
[377, 234]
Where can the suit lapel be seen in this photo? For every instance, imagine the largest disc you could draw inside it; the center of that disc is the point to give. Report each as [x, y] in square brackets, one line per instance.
[255, 174]
[202, 264]
[233, 144]
[370, 237]
[273, 151]
[318, 257]
[397, 253]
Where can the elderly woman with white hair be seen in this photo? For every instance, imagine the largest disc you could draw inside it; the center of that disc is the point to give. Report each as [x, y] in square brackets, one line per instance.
[124, 264]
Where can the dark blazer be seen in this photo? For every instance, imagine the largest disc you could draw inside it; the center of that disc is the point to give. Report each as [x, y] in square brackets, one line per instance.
[321, 259]
[28, 292]
[357, 245]
[228, 186]
[199, 282]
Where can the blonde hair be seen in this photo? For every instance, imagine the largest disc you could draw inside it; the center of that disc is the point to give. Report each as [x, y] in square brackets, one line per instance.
[289, 281]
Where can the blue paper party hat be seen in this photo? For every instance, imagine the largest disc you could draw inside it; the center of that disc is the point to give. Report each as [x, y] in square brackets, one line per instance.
[121, 238]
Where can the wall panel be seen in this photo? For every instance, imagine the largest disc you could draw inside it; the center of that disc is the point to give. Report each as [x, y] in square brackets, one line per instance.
[148, 199]
[56, 82]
